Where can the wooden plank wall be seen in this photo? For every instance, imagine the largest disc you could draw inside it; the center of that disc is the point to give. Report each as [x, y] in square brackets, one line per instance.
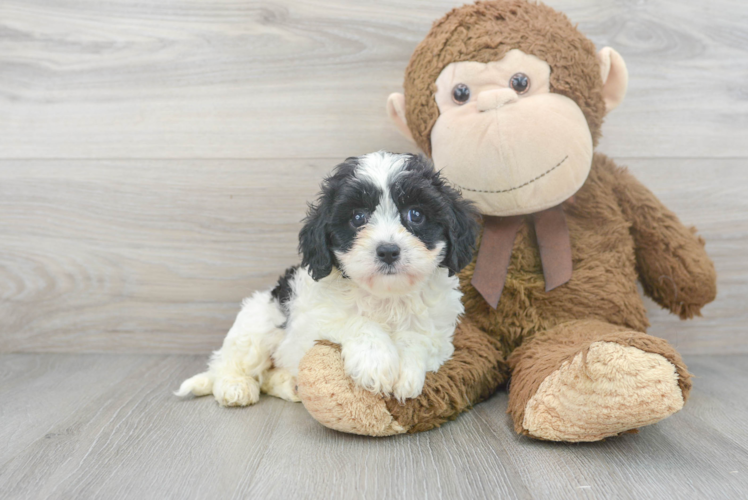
[156, 157]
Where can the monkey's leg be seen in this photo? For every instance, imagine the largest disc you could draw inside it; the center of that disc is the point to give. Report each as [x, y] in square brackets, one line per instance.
[587, 380]
[474, 372]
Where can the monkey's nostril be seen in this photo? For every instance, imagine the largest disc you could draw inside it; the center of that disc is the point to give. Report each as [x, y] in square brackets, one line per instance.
[388, 252]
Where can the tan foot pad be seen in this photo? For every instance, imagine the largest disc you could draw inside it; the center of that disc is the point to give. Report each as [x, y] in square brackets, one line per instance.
[615, 389]
[332, 398]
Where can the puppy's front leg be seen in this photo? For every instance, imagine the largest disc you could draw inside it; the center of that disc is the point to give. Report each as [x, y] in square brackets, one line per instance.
[419, 353]
[413, 350]
[370, 358]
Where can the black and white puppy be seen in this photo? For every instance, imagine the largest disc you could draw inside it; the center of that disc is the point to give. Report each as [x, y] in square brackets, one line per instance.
[380, 252]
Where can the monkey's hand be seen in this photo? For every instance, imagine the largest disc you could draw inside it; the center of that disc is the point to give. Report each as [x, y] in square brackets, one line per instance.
[674, 269]
[471, 375]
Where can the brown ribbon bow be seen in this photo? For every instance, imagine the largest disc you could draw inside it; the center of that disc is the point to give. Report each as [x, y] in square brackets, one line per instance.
[496, 251]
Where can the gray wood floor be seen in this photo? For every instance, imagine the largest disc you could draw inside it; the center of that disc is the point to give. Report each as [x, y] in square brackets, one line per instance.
[106, 426]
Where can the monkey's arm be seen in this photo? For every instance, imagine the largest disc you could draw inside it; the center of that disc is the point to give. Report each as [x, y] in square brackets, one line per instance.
[673, 266]
[471, 375]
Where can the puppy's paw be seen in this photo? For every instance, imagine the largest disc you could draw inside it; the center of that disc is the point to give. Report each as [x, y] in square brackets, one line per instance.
[236, 391]
[281, 384]
[411, 380]
[373, 366]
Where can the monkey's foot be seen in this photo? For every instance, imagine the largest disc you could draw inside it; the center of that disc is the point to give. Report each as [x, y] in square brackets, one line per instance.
[603, 391]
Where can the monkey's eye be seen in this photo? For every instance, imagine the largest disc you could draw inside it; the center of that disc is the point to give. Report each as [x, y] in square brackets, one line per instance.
[520, 83]
[415, 216]
[359, 218]
[461, 93]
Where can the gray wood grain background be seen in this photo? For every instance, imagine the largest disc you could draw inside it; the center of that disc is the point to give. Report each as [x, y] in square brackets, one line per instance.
[156, 157]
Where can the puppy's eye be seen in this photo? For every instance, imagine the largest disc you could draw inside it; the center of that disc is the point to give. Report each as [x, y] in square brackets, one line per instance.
[359, 218]
[520, 83]
[415, 216]
[461, 93]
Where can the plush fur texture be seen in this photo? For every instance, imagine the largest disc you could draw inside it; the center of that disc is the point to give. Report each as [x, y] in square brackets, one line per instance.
[470, 376]
[603, 391]
[380, 249]
[599, 389]
[323, 380]
[620, 232]
[467, 378]
[484, 32]
[594, 325]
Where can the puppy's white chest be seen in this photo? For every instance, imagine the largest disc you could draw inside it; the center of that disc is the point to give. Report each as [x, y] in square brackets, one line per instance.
[336, 309]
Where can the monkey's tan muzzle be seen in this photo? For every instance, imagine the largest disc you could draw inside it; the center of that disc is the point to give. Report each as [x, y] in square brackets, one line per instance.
[494, 99]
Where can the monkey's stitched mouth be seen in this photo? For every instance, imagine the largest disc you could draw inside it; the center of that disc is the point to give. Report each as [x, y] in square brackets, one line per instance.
[515, 187]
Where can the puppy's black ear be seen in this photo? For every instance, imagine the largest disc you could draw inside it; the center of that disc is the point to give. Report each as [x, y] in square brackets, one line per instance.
[463, 227]
[314, 244]
[314, 238]
[462, 235]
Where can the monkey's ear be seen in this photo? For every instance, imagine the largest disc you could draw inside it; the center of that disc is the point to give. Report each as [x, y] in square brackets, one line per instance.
[396, 112]
[615, 77]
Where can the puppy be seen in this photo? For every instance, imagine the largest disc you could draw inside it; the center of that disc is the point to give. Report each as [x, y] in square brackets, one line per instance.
[380, 250]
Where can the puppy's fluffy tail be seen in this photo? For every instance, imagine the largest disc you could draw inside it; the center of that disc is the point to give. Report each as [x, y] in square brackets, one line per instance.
[199, 385]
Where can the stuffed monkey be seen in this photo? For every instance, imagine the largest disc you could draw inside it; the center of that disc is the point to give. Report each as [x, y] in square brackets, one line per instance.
[508, 98]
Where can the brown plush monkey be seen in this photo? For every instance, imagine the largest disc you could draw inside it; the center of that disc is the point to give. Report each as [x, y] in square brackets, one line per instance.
[508, 98]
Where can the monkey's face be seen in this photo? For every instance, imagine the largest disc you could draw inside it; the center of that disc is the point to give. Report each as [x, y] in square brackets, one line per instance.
[505, 139]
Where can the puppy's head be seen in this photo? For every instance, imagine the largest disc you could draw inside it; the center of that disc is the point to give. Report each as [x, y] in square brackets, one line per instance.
[387, 221]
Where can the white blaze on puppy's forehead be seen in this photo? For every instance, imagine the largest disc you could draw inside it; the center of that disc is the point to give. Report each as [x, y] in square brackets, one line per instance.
[382, 169]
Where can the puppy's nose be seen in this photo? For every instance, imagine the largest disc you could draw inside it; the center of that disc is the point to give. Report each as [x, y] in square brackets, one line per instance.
[494, 99]
[388, 252]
